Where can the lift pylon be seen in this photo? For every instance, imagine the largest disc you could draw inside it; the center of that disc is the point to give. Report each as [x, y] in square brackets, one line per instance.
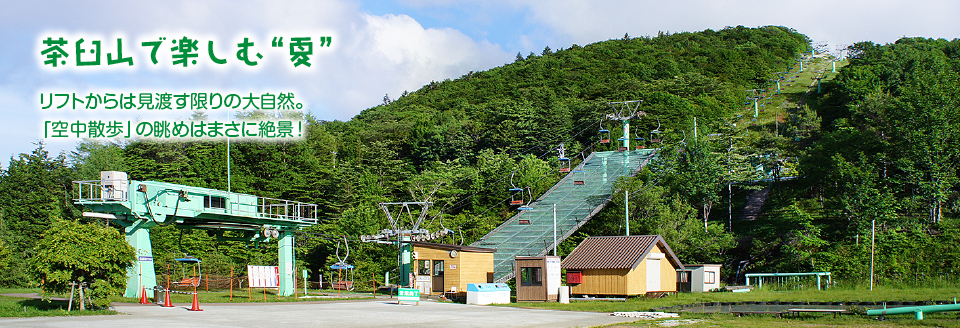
[625, 111]
[405, 229]
[562, 157]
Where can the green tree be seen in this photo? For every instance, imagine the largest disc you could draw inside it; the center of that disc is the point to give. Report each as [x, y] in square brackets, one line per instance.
[696, 175]
[91, 157]
[6, 265]
[74, 252]
[34, 194]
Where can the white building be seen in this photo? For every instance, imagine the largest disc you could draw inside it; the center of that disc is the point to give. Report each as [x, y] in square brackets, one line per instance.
[698, 278]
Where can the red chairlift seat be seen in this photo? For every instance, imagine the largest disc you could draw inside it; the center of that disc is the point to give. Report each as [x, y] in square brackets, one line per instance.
[513, 200]
[564, 165]
[581, 181]
[191, 282]
[604, 136]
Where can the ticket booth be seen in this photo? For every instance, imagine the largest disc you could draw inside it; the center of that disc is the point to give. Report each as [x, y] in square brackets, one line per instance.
[538, 278]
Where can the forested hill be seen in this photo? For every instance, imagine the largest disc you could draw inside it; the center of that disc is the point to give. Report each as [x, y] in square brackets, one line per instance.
[458, 143]
[540, 99]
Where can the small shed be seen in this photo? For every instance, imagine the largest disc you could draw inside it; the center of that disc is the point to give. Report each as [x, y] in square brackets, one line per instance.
[698, 278]
[538, 278]
[622, 265]
[444, 268]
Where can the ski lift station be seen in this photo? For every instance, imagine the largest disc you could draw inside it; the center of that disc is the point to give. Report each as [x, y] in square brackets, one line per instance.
[448, 269]
[141, 205]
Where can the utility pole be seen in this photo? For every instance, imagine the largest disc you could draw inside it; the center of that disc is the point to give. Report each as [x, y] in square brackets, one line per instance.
[873, 229]
[626, 210]
[554, 229]
[694, 129]
[228, 154]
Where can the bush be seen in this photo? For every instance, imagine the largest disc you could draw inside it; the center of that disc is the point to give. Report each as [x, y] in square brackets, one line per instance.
[74, 252]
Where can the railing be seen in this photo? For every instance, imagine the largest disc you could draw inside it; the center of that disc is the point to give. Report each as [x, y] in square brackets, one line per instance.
[95, 191]
[287, 210]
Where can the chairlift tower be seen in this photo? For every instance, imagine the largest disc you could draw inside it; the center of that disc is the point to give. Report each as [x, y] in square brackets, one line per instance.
[404, 229]
[625, 111]
[140, 205]
[840, 49]
[562, 157]
[780, 77]
[755, 95]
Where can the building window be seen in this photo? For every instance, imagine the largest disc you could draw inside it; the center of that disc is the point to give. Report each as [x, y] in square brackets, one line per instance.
[683, 276]
[532, 276]
[437, 268]
[423, 267]
[214, 202]
[709, 277]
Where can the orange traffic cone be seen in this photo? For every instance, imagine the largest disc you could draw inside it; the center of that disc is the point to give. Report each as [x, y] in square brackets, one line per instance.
[196, 305]
[143, 295]
[166, 298]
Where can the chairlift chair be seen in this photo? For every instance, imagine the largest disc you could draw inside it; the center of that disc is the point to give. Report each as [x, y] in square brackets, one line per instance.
[579, 177]
[342, 283]
[516, 194]
[640, 142]
[581, 174]
[564, 165]
[655, 134]
[192, 280]
[604, 134]
[529, 205]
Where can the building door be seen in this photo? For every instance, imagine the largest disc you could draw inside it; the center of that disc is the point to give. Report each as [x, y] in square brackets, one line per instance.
[424, 283]
[438, 276]
[653, 275]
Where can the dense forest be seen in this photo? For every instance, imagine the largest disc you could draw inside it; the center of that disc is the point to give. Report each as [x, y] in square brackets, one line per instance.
[879, 144]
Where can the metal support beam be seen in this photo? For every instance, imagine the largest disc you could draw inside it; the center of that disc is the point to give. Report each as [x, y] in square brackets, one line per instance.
[286, 262]
[141, 274]
[405, 260]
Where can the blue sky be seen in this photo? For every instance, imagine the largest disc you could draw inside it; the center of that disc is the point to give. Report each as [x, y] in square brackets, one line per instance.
[380, 47]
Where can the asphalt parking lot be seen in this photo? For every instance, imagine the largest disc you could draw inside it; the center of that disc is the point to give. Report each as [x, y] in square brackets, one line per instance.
[373, 313]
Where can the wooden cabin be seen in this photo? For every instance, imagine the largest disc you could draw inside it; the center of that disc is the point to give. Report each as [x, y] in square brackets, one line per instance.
[622, 266]
[447, 269]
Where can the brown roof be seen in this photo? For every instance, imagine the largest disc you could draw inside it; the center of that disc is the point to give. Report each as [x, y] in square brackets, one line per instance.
[459, 248]
[615, 252]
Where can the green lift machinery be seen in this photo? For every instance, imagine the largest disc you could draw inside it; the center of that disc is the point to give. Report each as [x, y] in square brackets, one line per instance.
[141, 205]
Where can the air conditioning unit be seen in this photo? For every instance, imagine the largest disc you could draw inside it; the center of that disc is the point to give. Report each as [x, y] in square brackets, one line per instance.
[114, 185]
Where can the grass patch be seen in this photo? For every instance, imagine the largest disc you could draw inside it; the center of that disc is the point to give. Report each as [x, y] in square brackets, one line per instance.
[29, 307]
[942, 319]
[726, 320]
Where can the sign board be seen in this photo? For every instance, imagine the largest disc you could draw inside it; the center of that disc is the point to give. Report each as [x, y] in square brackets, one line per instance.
[408, 295]
[262, 276]
[145, 258]
[553, 275]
